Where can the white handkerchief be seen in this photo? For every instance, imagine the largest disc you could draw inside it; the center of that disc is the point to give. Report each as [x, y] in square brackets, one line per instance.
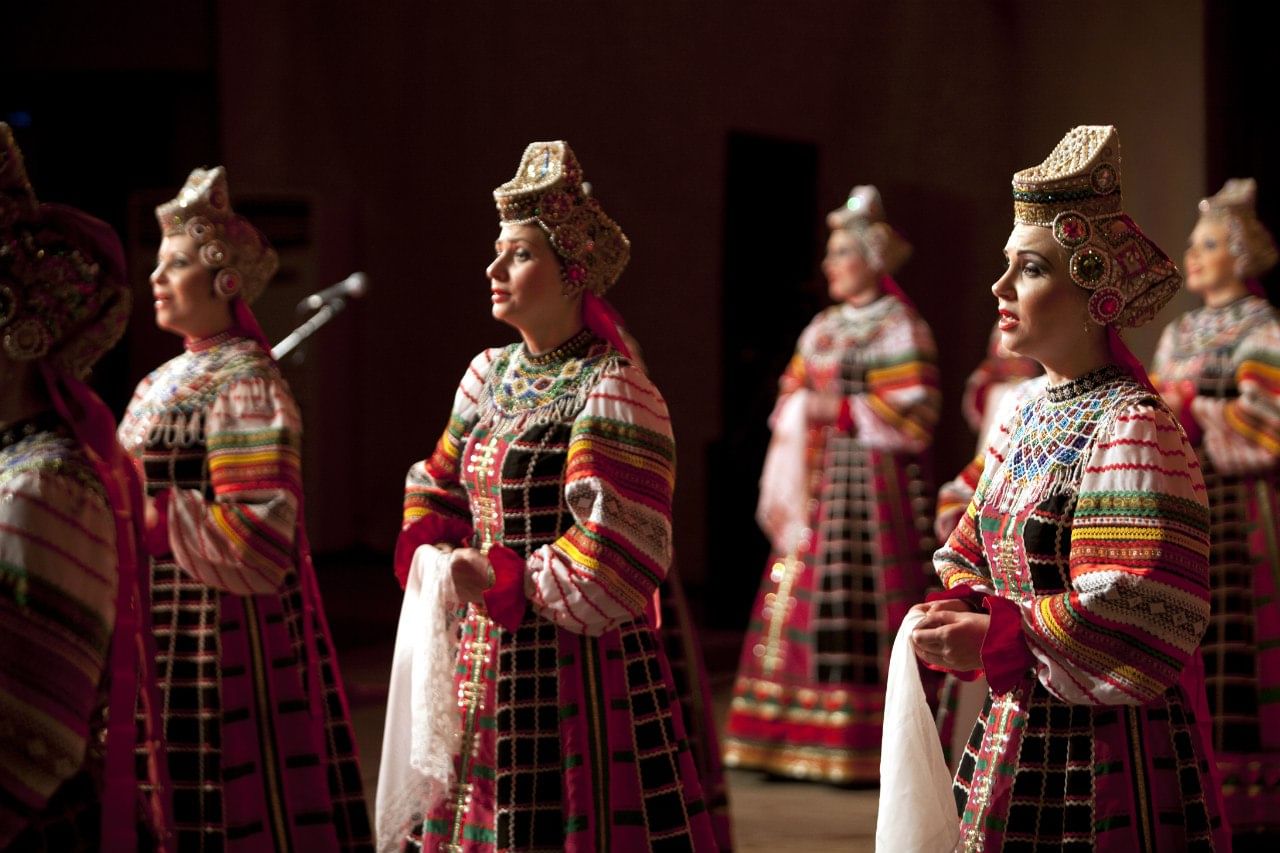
[917, 808]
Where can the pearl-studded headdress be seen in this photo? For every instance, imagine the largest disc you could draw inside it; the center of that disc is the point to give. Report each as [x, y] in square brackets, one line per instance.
[863, 215]
[64, 297]
[238, 254]
[1075, 193]
[548, 190]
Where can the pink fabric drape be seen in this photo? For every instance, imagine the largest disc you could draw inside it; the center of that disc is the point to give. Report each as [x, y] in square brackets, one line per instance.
[245, 324]
[132, 652]
[1124, 357]
[603, 319]
[891, 287]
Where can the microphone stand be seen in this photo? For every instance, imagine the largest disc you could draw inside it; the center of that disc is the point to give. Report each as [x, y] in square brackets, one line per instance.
[327, 312]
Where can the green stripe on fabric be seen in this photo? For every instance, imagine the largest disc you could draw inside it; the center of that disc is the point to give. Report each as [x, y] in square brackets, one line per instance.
[480, 834]
[572, 760]
[577, 823]
[568, 711]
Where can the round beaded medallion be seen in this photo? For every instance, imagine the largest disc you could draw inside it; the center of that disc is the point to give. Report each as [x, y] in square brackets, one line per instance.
[1089, 268]
[1071, 229]
[1105, 305]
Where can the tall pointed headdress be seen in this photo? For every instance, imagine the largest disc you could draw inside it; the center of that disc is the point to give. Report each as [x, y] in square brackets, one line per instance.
[1076, 193]
[548, 191]
[238, 254]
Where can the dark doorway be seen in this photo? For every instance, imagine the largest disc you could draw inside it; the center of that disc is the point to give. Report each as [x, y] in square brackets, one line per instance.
[772, 241]
[1242, 121]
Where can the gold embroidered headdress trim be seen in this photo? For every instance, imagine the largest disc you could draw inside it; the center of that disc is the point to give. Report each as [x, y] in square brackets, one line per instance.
[548, 191]
[1076, 193]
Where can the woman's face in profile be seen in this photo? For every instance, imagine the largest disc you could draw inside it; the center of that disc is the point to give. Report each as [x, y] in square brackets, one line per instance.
[849, 276]
[524, 278]
[182, 287]
[1042, 313]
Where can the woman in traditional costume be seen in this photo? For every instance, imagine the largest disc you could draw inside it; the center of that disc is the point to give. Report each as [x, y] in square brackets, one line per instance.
[71, 643]
[846, 504]
[1218, 368]
[537, 708]
[260, 745]
[1077, 579]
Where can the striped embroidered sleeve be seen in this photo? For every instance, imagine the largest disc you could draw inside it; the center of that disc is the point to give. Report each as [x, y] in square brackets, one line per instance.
[433, 486]
[242, 541]
[57, 611]
[619, 480]
[961, 560]
[900, 406]
[1139, 569]
[954, 498]
[1242, 436]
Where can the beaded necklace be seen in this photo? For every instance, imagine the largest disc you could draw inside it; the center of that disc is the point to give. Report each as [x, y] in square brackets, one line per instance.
[1211, 328]
[523, 382]
[1053, 435]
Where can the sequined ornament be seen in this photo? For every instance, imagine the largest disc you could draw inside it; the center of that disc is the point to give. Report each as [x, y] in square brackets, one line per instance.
[863, 216]
[1076, 193]
[1248, 239]
[548, 191]
[63, 293]
[202, 210]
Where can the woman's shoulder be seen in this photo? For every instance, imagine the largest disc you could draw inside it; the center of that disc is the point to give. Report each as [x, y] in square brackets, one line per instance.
[52, 466]
[623, 391]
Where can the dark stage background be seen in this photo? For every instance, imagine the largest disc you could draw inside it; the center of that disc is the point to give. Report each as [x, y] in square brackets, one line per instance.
[369, 136]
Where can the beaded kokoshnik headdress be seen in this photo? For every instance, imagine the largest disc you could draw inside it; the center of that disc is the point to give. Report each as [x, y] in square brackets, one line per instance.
[1075, 193]
[64, 297]
[548, 191]
[863, 215]
[1248, 240]
[238, 254]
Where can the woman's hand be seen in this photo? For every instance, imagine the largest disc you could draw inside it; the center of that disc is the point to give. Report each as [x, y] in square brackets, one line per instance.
[472, 574]
[950, 635]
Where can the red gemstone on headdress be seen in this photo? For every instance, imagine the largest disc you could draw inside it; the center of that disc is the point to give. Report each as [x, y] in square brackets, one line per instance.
[1105, 304]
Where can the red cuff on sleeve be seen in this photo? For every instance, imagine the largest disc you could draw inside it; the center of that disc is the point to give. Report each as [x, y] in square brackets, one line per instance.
[1189, 424]
[505, 600]
[429, 530]
[156, 537]
[960, 592]
[1005, 654]
[844, 418]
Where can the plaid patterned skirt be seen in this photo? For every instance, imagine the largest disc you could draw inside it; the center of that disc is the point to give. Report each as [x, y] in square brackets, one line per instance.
[574, 743]
[251, 766]
[809, 696]
[1241, 647]
[1039, 774]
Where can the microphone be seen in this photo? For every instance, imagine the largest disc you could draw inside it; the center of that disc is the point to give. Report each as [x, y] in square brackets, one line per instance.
[352, 287]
